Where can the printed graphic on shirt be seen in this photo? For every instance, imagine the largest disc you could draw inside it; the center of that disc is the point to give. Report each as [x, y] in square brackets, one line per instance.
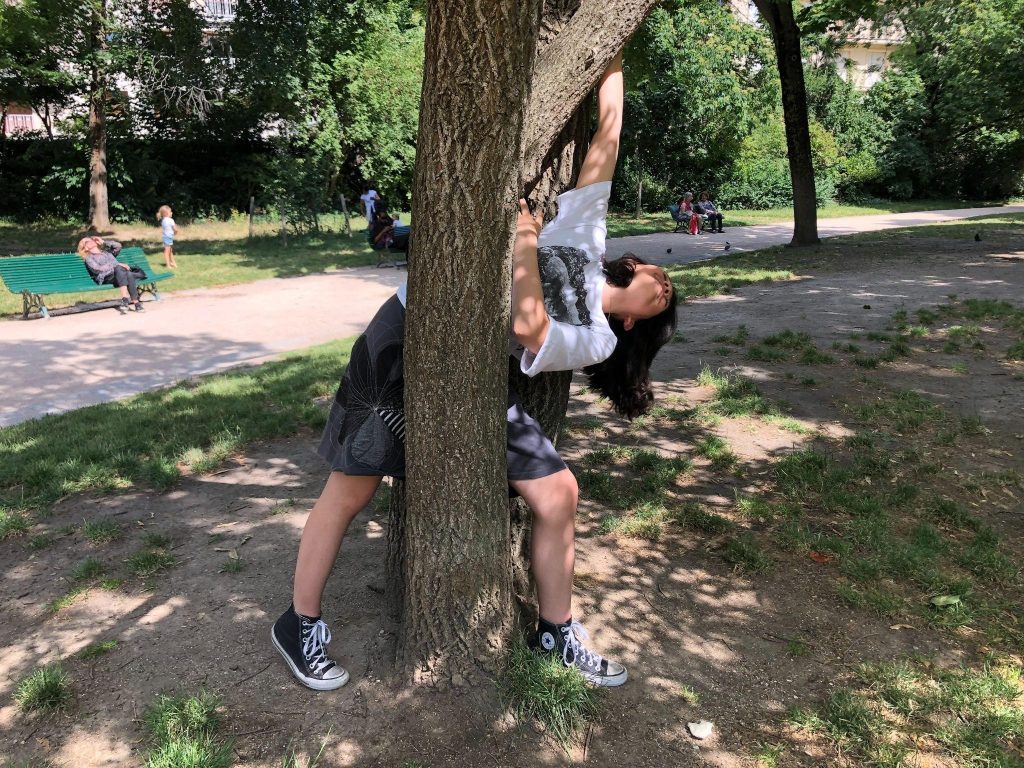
[564, 284]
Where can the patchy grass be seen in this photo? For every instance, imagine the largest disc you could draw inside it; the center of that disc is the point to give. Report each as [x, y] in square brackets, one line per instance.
[101, 531]
[46, 689]
[717, 451]
[97, 649]
[182, 422]
[746, 553]
[541, 687]
[186, 732]
[898, 712]
[689, 695]
[724, 274]
[12, 524]
[233, 565]
[149, 562]
[89, 569]
[60, 603]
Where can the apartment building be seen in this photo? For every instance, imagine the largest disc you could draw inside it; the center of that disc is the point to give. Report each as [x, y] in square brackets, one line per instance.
[863, 52]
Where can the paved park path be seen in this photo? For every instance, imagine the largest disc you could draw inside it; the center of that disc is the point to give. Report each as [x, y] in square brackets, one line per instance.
[66, 362]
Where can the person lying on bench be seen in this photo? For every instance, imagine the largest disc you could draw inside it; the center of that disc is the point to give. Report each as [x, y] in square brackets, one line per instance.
[100, 257]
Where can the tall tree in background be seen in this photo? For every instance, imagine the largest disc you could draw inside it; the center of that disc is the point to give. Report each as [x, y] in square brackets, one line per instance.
[478, 148]
[778, 15]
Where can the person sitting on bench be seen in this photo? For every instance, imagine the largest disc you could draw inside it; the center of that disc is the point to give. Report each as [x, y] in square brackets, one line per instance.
[711, 211]
[100, 257]
[388, 232]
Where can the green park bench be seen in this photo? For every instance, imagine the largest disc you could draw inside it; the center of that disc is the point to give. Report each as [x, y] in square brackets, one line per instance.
[35, 277]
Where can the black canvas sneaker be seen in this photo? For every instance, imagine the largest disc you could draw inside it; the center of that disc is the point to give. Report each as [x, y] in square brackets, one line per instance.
[565, 640]
[302, 643]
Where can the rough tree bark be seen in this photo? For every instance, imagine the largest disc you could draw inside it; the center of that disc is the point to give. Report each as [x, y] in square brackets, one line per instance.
[778, 14]
[455, 563]
[479, 147]
[99, 211]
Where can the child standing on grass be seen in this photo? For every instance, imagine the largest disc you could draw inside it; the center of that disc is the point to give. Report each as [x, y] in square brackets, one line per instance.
[168, 229]
[569, 310]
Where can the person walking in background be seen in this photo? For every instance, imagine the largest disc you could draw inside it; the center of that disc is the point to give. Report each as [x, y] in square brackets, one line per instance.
[369, 200]
[168, 229]
[711, 211]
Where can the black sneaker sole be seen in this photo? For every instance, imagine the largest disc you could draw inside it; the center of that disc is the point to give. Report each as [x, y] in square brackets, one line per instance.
[310, 682]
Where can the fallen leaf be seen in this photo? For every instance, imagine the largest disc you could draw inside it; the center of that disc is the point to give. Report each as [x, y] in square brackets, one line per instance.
[244, 539]
[944, 601]
[821, 557]
[902, 626]
[233, 554]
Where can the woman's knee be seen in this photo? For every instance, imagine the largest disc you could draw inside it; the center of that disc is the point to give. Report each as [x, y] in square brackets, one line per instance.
[555, 497]
[349, 494]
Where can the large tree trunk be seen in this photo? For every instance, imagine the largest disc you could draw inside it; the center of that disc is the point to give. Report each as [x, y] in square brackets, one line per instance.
[99, 211]
[456, 570]
[786, 35]
[457, 550]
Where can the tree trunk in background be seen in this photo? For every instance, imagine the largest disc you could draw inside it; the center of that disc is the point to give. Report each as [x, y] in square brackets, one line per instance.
[457, 553]
[778, 14]
[99, 211]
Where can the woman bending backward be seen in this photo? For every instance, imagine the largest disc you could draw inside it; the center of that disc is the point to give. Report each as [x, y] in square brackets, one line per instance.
[569, 311]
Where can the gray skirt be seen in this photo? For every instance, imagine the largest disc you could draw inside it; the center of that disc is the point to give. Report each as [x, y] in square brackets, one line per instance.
[365, 431]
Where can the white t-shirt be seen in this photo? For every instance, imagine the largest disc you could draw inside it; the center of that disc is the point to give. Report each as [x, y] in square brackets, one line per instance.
[569, 253]
[167, 225]
[368, 200]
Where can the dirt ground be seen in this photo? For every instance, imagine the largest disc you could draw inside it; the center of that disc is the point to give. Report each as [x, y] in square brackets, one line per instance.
[672, 610]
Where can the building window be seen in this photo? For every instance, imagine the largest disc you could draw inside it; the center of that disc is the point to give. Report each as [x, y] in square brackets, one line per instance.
[19, 122]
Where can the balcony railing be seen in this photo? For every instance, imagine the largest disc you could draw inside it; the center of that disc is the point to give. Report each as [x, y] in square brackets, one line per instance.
[221, 10]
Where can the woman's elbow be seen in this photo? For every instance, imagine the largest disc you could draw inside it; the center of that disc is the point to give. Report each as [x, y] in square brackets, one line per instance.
[530, 332]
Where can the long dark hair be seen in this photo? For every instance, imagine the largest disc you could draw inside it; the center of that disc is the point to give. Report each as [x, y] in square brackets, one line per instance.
[624, 378]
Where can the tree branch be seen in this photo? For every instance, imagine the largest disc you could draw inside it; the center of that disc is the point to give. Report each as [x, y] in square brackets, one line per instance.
[569, 67]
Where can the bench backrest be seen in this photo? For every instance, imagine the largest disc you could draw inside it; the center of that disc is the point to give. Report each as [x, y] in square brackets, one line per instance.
[57, 271]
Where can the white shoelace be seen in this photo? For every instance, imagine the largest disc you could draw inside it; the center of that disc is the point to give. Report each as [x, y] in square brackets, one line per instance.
[573, 634]
[313, 646]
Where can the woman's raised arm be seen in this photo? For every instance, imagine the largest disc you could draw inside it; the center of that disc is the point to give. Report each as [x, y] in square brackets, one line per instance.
[599, 164]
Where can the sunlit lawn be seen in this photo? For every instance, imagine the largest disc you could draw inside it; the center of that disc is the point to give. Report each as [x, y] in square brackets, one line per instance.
[212, 253]
[622, 224]
[209, 253]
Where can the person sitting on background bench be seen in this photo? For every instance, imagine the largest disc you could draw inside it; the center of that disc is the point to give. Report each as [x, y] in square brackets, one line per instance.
[388, 232]
[711, 211]
[100, 257]
[687, 209]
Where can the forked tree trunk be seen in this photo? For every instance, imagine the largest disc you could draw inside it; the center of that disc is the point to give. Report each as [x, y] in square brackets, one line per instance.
[778, 14]
[99, 210]
[456, 558]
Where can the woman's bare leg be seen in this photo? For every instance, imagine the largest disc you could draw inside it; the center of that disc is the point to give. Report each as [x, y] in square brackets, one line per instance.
[343, 497]
[553, 501]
